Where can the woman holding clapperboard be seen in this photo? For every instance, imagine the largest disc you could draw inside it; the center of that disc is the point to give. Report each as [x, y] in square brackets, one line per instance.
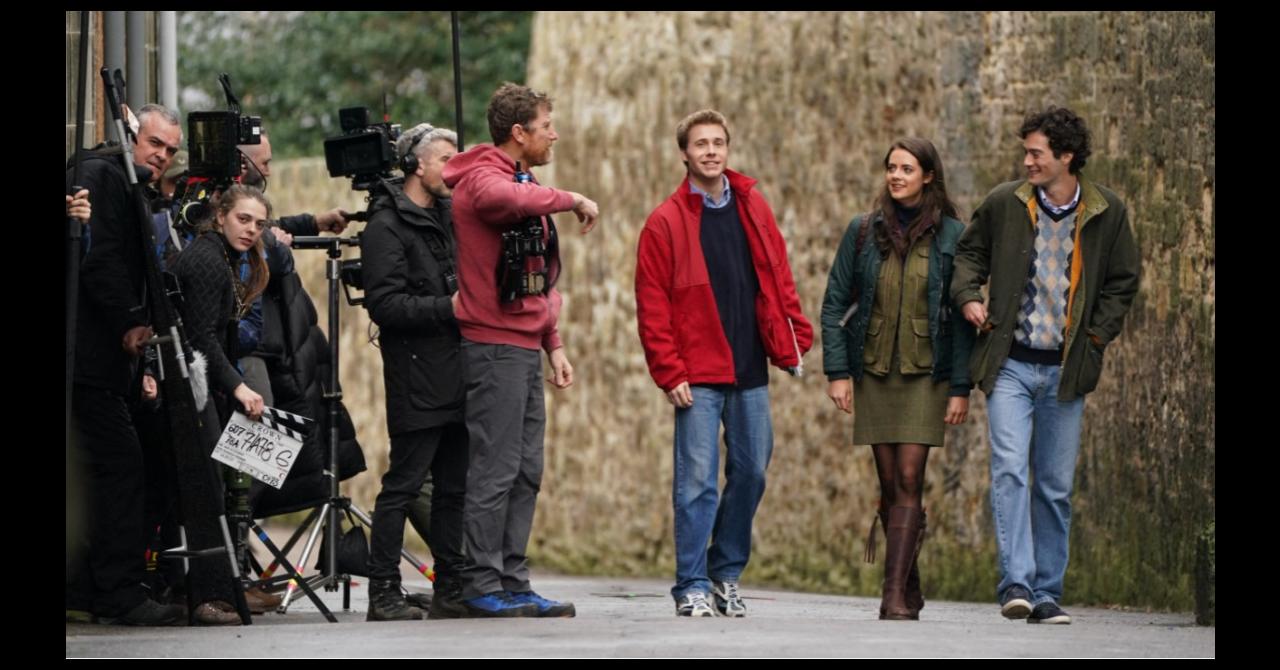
[214, 301]
[214, 297]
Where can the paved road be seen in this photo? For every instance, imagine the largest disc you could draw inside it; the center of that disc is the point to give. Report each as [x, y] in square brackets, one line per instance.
[635, 618]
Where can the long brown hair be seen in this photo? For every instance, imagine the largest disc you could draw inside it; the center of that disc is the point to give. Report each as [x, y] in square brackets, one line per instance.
[934, 201]
[259, 274]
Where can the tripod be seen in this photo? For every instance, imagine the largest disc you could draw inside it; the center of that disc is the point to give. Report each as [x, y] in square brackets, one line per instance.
[241, 515]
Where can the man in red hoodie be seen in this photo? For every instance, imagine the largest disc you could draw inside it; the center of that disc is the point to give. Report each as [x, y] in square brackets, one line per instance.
[501, 219]
[715, 302]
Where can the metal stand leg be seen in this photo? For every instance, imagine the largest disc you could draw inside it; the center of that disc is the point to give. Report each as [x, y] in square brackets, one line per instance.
[296, 578]
[289, 593]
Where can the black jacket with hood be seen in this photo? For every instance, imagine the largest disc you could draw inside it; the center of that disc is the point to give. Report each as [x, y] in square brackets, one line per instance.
[408, 255]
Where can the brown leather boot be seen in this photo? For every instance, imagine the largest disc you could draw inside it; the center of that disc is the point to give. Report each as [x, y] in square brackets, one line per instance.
[915, 597]
[870, 554]
[901, 531]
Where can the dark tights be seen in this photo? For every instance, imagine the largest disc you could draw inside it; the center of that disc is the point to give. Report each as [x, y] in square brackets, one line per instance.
[901, 471]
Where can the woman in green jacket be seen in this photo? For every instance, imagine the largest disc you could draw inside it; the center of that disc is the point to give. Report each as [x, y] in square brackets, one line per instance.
[888, 332]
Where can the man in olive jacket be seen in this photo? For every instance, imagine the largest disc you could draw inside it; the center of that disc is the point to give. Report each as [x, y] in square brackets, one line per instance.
[1063, 270]
[410, 281]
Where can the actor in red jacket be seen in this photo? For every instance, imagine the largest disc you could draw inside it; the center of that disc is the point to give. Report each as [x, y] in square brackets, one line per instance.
[501, 219]
[716, 302]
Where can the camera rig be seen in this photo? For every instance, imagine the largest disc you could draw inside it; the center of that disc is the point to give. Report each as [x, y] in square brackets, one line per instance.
[213, 141]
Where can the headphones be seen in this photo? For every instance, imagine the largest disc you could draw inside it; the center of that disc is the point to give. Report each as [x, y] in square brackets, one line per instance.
[409, 161]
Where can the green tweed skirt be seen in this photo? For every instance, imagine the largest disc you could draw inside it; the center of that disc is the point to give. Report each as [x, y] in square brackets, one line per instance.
[899, 409]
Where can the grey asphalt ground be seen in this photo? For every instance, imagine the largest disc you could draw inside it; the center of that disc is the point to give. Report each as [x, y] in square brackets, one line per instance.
[635, 618]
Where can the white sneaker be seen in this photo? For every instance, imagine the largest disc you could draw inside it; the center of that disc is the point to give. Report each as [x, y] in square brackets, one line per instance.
[694, 603]
[727, 599]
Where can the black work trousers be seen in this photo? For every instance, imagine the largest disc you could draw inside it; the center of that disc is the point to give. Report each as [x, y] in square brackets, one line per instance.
[442, 451]
[110, 570]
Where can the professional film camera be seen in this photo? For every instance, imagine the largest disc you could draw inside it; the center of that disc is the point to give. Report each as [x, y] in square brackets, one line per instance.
[364, 152]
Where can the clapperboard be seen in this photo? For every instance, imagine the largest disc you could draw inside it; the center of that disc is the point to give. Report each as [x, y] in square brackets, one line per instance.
[266, 449]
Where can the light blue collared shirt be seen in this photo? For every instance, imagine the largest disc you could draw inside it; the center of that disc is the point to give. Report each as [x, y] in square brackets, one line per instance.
[725, 194]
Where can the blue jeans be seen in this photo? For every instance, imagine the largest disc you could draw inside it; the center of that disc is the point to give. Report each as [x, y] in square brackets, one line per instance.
[748, 437]
[1029, 426]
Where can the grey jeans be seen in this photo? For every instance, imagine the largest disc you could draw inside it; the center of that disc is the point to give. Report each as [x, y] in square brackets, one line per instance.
[505, 419]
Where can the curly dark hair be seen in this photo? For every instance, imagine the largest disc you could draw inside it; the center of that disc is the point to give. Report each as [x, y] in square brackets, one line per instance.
[1066, 132]
[512, 104]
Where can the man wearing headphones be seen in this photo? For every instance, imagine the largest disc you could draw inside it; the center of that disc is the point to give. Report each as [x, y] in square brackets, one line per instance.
[410, 280]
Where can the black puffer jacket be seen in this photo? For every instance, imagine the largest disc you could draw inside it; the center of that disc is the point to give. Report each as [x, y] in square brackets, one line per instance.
[407, 252]
[298, 366]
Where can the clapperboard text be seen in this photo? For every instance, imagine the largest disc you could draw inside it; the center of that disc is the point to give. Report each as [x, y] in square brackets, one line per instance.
[264, 450]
